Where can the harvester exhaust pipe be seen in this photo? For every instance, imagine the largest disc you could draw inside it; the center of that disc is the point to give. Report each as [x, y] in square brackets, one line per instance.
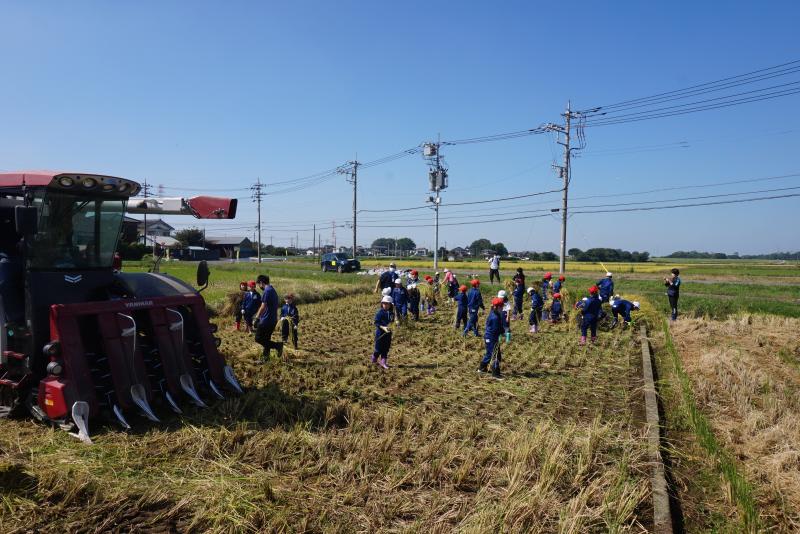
[188, 386]
[139, 397]
[80, 414]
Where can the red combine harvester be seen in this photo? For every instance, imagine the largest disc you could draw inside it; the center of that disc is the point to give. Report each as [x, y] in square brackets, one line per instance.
[78, 338]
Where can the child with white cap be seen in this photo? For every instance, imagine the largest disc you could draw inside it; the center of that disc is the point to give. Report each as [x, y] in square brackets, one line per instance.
[383, 336]
[620, 306]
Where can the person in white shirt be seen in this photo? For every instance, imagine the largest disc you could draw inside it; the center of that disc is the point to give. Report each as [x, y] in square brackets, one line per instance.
[494, 268]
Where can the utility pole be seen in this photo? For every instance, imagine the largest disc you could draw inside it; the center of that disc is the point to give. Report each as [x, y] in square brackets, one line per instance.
[257, 194]
[352, 177]
[314, 241]
[437, 175]
[146, 192]
[564, 172]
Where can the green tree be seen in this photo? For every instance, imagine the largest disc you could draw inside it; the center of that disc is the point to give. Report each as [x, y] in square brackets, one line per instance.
[190, 237]
[500, 249]
[479, 245]
[405, 244]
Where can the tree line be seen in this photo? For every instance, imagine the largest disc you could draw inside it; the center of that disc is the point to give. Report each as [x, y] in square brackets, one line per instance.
[693, 254]
[608, 254]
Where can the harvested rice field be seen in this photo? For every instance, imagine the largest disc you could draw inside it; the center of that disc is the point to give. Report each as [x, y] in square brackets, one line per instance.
[324, 441]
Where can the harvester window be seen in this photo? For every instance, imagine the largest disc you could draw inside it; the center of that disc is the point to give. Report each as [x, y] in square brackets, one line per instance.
[76, 232]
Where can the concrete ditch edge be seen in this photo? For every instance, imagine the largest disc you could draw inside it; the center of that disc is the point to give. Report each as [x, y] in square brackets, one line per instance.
[662, 519]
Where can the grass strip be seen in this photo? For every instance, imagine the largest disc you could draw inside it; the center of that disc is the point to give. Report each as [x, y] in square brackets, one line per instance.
[740, 490]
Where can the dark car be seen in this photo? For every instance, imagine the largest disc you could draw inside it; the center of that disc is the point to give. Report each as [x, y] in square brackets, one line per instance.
[339, 262]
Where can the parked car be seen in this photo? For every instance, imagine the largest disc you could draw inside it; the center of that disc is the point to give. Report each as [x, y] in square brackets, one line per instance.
[339, 262]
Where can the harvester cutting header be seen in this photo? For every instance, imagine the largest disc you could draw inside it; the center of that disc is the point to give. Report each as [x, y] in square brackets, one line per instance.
[78, 338]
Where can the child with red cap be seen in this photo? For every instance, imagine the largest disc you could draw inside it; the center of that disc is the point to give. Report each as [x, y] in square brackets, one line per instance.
[558, 284]
[548, 276]
[492, 332]
[591, 314]
[474, 302]
[556, 308]
[461, 311]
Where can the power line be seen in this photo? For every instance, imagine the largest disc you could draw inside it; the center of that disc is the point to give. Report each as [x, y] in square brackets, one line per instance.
[706, 84]
[653, 208]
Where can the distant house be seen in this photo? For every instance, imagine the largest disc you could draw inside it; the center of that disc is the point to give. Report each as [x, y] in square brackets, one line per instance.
[310, 252]
[459, 252]
[162, 241]
[422, 251]
[130, 230]
[231, 247]
[156, 227]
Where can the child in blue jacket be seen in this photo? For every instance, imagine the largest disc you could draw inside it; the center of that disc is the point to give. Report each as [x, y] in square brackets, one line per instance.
[494, 329]
[519, 292]
[383, 336]
[591, 314]
[250, 304]
[536, 309]
[461, 310]
[400, 298]
[556, 308]
[474, 303]
[290, 318]
[622, 307]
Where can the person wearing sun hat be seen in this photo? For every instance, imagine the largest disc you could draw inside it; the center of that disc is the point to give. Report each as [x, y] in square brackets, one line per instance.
[383, 336]
[606, 287]
[591, 314]
[620, 306]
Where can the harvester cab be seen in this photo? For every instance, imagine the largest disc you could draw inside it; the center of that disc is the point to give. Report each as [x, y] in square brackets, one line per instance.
[80, 340]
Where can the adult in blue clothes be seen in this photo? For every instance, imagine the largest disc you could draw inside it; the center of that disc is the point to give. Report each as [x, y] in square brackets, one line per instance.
[591, 313]
[606, 287]
[267, 318]
[494, 330]
[536, 309]
[622, 307]
[400, 298]
[474, 303]
[387, 278]
[673, 283]
[383, 336]
[461, 310]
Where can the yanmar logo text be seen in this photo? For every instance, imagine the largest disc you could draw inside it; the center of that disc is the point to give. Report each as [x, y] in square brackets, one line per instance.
[139, 304]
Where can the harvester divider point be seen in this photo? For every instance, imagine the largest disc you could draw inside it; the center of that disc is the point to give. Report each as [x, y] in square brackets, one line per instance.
[80, 414]
[188, 386]
[121, 418]
[172, 403]
[231, 379]
[215, 389]
[139, 397]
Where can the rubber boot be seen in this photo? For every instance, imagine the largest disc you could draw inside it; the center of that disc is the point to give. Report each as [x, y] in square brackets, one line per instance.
[532, 329]
[583, 340]
[594, 338]
[496, 374]
[382, 362]
[238, 326]
[373, 358]
[279, 350]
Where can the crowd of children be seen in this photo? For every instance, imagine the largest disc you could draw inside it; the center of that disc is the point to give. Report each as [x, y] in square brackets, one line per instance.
[403, 295]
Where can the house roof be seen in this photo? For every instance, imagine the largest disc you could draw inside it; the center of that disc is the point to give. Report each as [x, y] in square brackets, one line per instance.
[156, 223]
[169, 242]
[227, 241]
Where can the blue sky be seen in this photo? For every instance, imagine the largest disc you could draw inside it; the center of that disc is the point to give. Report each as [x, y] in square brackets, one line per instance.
[201, 95]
